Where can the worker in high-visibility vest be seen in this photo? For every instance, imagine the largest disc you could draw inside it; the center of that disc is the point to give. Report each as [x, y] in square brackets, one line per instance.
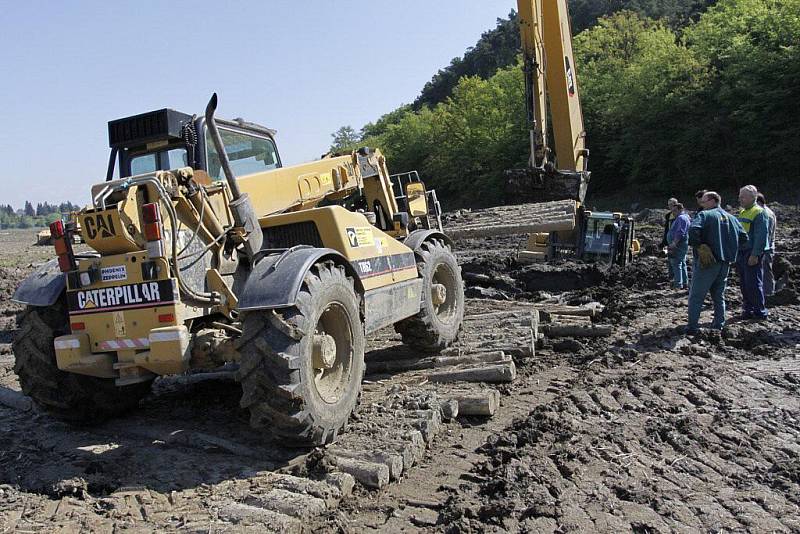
[750, 261]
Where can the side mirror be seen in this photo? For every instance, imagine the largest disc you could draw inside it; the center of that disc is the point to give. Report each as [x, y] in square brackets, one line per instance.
[417, 199]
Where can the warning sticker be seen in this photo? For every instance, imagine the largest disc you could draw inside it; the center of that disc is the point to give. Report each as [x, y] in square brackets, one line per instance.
[360, 236]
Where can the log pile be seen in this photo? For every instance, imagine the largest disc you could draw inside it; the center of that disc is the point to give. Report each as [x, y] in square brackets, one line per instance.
[514, 332]
[521, 219]
[574, 321]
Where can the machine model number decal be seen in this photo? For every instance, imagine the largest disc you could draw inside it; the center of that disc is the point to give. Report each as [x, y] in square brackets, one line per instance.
[121, 297]
[113, 274]
[365, 267]
[360, 236]
[100, 224]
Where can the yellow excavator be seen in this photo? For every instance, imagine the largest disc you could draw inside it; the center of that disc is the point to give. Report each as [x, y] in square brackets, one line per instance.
[206, 251]
[559, 169]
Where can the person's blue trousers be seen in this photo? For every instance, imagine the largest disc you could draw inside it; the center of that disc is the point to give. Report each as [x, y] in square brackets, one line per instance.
[678, 270]
[713, 279]
[751, 278]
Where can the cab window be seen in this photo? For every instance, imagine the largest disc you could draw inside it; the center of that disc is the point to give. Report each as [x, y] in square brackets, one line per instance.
[162, 160]
[143, 164]
[247, 154]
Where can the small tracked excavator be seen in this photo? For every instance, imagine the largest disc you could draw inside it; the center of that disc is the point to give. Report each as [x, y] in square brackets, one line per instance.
[559, 171]
[206, 251]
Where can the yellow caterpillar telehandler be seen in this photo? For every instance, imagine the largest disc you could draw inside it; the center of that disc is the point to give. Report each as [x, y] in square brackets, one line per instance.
[207, 251]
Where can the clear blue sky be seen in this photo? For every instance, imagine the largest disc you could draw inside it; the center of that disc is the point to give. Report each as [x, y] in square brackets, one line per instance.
[304, 68]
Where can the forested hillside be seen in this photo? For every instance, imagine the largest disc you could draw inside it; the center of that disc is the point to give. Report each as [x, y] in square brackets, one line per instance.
[670, 105]
[499, 46]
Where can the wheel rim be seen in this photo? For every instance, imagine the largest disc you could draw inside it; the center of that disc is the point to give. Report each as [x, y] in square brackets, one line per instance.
[444, 275]
[331, 379]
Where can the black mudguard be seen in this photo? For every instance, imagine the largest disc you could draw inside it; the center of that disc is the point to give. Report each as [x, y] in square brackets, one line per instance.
[417, 237]
[275, 280]
[43, 287]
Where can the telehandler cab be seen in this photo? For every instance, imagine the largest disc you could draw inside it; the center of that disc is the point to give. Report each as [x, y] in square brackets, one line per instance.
[207, 251]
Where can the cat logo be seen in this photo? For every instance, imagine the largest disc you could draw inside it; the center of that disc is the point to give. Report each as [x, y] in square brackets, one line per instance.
[570, 77]
[100, 224]
[352, 237]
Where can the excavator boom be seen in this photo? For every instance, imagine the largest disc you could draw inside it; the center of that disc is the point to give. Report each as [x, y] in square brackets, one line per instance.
[557, 170]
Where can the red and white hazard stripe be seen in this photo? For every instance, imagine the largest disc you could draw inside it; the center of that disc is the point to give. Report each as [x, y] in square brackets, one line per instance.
[122, 344]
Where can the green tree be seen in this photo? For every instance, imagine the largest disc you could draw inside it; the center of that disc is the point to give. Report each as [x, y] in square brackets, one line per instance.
[344, 139]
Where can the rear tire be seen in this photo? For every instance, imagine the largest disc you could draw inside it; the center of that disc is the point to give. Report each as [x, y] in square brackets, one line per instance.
[288, 389]
[436, 326]
[67, 396]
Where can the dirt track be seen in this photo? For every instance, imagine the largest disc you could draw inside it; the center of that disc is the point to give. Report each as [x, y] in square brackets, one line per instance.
[644, 431]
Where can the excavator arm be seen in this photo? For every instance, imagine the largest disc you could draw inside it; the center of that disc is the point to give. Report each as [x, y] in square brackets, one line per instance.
[558, 170]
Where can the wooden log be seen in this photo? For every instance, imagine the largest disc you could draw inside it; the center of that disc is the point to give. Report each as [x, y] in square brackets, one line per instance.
[557, 225]
[267, 519]
[484, 403]
[392, 460]
[332, 490]
[493, 373]
[15, 399]
[417, 364]
[368, 474]
[529, 256]
[303, 507]
[496, 356]
[559, 319]
[587, 310]
[428, 422]
[344, 482]
[580, 331]
[414, 442]
[449, 409]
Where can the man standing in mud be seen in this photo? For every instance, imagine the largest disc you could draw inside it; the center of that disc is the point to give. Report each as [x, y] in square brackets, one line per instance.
[678, 246]
[716, 237]
[668, 219]
[769, 255]
[750, 262]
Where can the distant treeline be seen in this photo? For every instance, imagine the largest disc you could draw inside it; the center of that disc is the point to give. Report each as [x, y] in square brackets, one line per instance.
[690, 99]
[30, 217]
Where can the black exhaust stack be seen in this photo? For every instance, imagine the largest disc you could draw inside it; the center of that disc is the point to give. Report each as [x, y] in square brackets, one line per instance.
[244, 215]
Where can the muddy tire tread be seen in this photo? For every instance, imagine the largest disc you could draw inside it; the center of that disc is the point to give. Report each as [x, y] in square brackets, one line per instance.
[270, 371]
[67, 396]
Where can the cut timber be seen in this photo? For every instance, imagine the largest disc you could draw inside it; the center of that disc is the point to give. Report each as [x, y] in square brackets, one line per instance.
[267, 520]
[392, 460]
[494, 373]
[15, 399]
[335, 487]
[303, 507]
[484, 403]
[368, 474]
[449, 409]
[559, 319]
[528, 256]
[414, 364]
[521, 219]
[580, 330]
[587, 310]
[511, 331]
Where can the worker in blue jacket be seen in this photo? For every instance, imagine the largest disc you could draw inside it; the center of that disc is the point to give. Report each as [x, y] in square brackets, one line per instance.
[678, 241]
[715, 236]
[750, 263]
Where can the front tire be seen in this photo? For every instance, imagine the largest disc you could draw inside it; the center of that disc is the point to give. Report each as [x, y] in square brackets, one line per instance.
[67, 396]
[438, 322]
[302, 367]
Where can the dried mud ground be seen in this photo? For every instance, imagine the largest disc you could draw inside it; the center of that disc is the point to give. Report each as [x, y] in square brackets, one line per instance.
[645, 431]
